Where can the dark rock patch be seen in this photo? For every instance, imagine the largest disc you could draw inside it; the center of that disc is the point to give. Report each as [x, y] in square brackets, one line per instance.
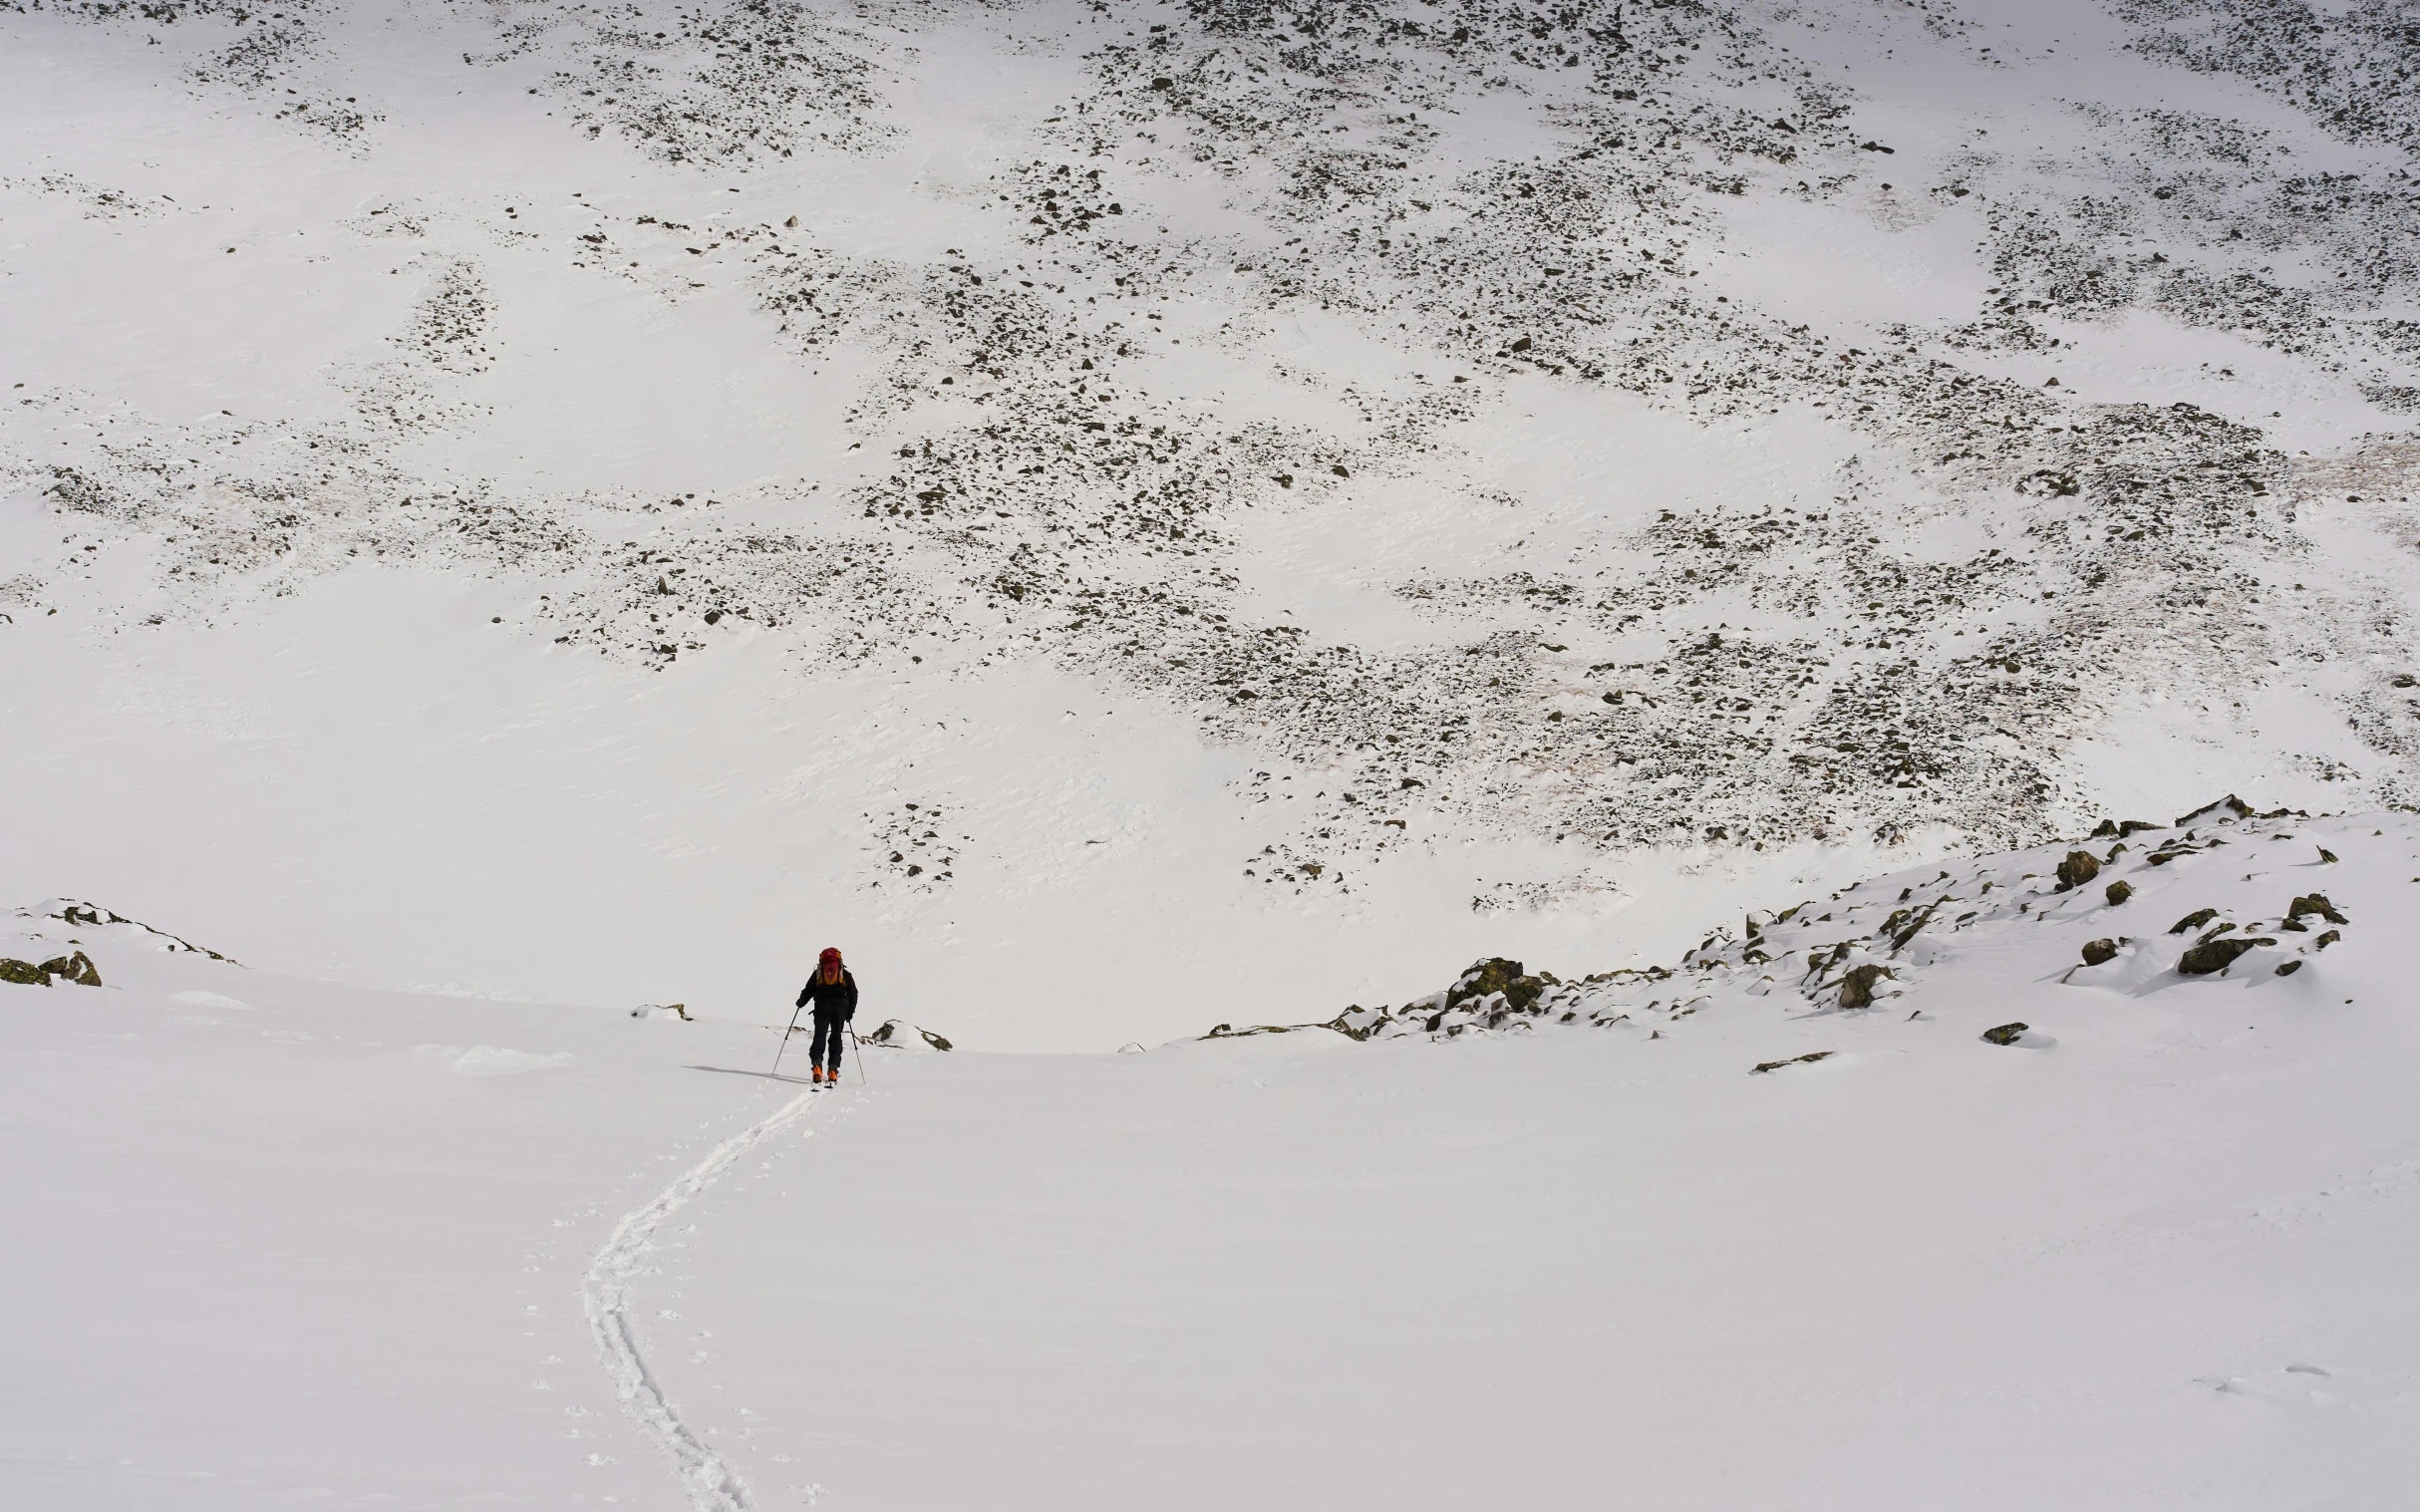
[76, 968]
[1856, 988]
[2216, 955]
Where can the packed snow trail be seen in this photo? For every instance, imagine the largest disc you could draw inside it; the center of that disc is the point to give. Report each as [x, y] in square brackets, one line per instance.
[605, 1296]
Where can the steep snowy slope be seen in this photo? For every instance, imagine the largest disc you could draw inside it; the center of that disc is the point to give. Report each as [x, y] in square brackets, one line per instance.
[274, 1239]
[1511, 479]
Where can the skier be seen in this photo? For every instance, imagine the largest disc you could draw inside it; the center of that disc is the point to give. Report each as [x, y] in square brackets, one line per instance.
[834, 993]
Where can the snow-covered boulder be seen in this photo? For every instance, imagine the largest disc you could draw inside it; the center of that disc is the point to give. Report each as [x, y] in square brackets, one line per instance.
[898, 1034]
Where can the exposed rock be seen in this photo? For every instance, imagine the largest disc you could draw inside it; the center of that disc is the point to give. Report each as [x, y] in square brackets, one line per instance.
[2326, 856]
[1857, 986]
[2326, 939]
[1775, 1065]
[899, 1034]
[1497, 975]
[2081, 866]
[2006, 1034]
[24, 973]
[2193, 920]
[77, 968]
[2098, 950]
[2119, 892]
[2316, 903]
[2228, 807]
[2216, 955]
[2288, 968]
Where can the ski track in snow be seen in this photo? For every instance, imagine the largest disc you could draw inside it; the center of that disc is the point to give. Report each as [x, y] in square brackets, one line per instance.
[605, 1293]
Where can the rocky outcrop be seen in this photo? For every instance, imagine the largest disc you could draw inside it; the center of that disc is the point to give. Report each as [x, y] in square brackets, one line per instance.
[2080, 867]
[77, 968]
[2216, 955]
[1857, 984]
[2314, 903]
[898, 1034]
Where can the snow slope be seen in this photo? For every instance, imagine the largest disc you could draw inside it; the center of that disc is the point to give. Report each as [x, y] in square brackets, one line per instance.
[294, 1241]
[1137, 517]
[1311, 493]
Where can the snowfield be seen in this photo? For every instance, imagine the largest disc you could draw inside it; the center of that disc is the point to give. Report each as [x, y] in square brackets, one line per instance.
[293, 1241]
[1592, 632]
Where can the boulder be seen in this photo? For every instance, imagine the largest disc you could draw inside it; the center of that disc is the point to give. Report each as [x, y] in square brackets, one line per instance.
[2118, 892]
[2228, 807]
[2193, 921]
[2316, 903]
[77, 968]
[898, 1034]
[2098, 950]
[24, 973]
[2081, 866]
[2288, 968]
[1857, 986]
[1497, 975]
[2006, 1034]
[2216, 955]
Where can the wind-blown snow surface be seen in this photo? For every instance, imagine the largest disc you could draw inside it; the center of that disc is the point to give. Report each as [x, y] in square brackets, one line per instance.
[1289, 496]
[274, 1241]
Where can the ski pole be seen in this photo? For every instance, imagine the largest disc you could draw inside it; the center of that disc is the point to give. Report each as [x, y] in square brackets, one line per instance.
[786, 1034]
[861, 1044]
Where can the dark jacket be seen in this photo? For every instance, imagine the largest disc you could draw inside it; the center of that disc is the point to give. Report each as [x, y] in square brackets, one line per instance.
[836, 999]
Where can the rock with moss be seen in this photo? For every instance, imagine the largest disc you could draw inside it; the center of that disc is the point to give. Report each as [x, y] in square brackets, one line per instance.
[2314, 903]
[2099, 952]
[2118, 892]
[2193, 921]
[1857, 986]
[77, 968]
[2006, 1034]
[2080, 867]
[1496, 975]
[2216, 955]
[24, 973]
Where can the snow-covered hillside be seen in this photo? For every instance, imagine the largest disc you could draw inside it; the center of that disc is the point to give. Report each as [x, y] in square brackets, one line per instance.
[1310, 493]
[275, 1241]
[1743, 533]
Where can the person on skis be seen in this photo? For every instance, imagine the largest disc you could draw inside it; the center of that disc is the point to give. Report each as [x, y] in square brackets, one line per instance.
[834, 993]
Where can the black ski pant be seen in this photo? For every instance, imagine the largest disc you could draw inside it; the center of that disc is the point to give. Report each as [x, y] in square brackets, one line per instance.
[833, 1027]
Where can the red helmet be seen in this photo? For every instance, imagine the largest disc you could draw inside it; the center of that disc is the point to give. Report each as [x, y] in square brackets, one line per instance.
[830, 953]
